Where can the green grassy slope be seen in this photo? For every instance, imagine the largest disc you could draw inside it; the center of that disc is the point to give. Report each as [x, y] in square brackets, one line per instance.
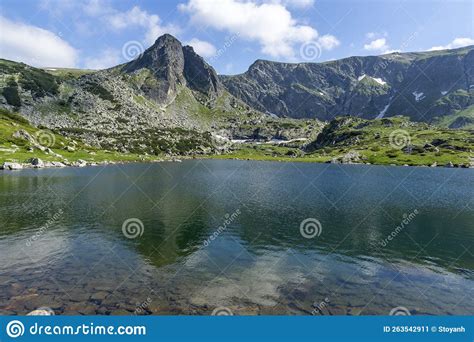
[395, 141]
[462, 119]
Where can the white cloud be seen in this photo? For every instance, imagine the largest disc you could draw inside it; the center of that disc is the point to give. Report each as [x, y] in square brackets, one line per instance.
[370, 35]
[328, 42]
[269, 24]
[300, 3]
[102, 15]
[97, 7]
[132, 17]
[374, 35]
[295, 3]
[57, 7]
[378, 45]
[106, 59]
[34, 46]
[202, 48]
[456, 43]
[141, 18]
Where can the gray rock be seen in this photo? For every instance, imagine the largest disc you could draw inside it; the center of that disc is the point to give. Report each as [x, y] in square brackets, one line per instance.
[101, 295]
[351, 157]
[36, 162]
[12, 166]
[22, 134]
[314, 90]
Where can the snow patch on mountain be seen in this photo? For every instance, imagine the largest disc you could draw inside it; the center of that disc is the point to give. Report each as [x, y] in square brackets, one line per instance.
[379, 81]
[418, 96]
[376, 79]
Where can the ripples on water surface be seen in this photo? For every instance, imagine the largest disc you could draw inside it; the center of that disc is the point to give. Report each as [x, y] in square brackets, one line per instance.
[62, 245]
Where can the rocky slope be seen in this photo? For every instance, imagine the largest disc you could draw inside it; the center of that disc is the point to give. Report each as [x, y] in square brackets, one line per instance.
[424, 86]
[168, 100]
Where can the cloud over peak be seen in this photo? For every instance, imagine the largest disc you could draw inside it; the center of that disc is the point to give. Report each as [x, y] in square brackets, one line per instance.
[271, 24]
[456, 43]
[379, 45]
[202, 48]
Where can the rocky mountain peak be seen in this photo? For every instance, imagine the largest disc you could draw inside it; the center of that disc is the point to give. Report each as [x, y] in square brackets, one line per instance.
[166, 39]
[173, 66]
[165, 53]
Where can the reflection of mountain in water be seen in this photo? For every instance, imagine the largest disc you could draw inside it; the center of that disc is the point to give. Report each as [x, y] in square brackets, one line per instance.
[260, 259]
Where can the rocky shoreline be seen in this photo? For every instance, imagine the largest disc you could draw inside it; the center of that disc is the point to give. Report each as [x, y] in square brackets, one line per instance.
[348, 159]
[36, 163]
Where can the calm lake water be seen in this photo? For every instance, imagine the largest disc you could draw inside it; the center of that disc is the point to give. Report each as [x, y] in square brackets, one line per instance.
[221, 233]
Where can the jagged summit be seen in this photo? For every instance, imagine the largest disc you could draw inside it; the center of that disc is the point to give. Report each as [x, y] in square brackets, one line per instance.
[166, 38]
[172, 66]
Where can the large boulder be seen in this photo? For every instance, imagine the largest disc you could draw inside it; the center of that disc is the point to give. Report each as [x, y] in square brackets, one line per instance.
[24, 135]
[36, 162]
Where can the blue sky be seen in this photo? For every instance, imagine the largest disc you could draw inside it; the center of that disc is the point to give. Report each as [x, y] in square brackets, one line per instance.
[230, 34]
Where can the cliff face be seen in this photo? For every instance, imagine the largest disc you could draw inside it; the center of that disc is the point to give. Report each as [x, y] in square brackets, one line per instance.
[423, 86]
[171, 66]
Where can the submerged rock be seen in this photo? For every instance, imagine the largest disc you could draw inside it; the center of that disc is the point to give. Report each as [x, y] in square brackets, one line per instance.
[43, 311]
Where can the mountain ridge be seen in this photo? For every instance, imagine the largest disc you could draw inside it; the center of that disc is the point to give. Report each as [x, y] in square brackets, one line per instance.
[170, 100]
[324, 90]
[408, 53]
